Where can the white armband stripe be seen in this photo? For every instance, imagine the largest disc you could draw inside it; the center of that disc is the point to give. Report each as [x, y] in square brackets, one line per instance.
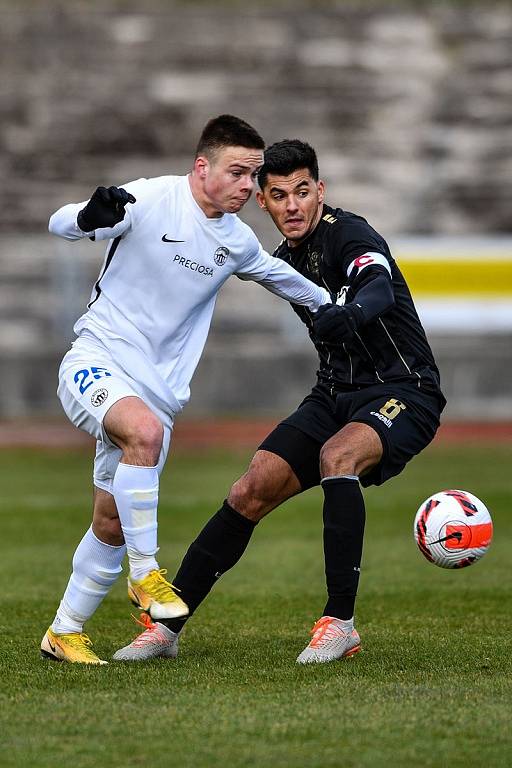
[366, 260]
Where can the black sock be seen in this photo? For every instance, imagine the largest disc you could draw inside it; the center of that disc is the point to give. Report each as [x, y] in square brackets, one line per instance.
[344, 518]
[219, 546]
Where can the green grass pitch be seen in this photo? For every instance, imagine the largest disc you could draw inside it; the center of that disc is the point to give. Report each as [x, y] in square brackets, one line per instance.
[432, 686]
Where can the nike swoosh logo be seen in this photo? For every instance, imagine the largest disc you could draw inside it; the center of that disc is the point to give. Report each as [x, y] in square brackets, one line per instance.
[166, 239]
[51, 645]
[455, 535]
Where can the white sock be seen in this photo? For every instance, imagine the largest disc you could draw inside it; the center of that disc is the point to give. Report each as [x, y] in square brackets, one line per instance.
[96, 566]
[135, 490]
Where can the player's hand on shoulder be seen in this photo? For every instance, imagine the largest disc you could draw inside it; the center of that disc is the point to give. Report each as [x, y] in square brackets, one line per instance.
[106, 208]
[336, 324]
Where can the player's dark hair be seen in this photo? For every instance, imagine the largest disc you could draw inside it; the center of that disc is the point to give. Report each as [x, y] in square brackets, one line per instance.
[227, 131]
[285, 157]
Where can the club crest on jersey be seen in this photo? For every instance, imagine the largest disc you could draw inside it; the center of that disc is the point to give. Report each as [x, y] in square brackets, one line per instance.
[221, 256]
[314, 263]
[99, 396]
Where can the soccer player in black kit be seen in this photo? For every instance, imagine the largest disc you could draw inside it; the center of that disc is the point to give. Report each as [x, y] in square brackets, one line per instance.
[375, 405]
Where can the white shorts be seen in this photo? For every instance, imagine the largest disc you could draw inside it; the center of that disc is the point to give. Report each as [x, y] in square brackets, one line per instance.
[89, 384]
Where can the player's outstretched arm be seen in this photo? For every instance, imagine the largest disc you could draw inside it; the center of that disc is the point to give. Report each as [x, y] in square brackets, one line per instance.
[104, 211]
[286, 282]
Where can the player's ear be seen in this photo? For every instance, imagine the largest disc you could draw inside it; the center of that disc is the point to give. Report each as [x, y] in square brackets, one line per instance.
[260, 199]
[201, 166]
[321, 191]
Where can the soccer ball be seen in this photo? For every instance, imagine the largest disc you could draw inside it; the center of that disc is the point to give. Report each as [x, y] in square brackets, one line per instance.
[453, 529]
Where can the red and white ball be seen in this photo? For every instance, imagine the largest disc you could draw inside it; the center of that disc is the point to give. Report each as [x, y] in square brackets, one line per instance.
[453, 529]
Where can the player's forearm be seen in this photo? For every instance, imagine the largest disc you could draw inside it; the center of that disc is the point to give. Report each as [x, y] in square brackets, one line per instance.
[63, 222]
[287, 283]
[341, 323]
[375, 297]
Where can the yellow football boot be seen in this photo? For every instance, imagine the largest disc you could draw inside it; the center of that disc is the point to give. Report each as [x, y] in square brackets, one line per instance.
[74, 647]
[156, 596]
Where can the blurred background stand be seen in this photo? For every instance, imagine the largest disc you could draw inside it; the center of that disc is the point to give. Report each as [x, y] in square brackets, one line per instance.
[408, 106]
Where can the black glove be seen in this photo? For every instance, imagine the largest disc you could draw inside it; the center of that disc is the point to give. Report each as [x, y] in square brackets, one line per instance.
[334, 323]
[104, 209]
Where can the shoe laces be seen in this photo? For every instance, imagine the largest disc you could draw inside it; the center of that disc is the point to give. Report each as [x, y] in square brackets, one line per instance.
[161, 589]
[323, 631]
[152, 633]
[81, 642]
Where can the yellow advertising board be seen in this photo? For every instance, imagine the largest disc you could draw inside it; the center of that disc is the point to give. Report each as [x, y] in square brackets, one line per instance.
[459, 285]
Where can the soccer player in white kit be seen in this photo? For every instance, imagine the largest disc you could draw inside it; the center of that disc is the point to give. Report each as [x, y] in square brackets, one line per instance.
[173, 242]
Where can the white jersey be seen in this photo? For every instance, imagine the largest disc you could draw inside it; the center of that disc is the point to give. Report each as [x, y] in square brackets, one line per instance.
[152, 304]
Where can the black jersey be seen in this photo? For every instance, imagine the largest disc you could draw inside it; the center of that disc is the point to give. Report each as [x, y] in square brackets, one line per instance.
[392, 346]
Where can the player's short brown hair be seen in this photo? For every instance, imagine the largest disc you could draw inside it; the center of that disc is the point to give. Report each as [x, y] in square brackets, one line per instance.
[227, 131]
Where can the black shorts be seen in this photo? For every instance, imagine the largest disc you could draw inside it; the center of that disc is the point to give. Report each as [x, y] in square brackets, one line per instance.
[405, 417]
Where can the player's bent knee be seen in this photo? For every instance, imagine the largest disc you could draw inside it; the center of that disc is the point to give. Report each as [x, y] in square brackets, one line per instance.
[144, 439]
[150, 434]
[245, 499]
[337, 459]
[132, 426]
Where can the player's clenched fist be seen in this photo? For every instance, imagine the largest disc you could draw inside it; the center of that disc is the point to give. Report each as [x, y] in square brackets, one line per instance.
[335, 323]
[105, 208]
